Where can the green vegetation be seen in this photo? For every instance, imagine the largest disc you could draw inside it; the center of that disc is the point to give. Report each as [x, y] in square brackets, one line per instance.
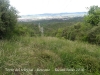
[49, 53]
[8, 19]
[50, 26]
[68, 47]
[93, 16]
[82, 32]
[88, 30]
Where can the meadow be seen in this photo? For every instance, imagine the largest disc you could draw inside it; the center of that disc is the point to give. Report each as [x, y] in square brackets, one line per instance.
[48, 56]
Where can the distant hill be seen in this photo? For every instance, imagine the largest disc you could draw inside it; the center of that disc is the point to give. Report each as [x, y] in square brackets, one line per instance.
[51, 16]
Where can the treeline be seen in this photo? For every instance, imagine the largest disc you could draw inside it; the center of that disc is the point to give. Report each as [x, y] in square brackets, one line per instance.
[88, 30]
[50, 27]
[81, 31]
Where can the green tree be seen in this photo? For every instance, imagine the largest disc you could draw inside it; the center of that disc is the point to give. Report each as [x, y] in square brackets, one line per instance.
[93, 16]
[8, 19]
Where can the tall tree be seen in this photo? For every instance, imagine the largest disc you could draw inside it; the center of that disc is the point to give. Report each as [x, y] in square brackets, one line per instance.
[93, 16]
[8, 18]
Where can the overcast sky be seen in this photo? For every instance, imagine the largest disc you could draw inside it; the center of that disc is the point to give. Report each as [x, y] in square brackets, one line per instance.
[27, 7]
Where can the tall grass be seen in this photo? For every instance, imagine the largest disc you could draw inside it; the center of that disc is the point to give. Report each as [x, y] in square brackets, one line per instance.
[48, 53]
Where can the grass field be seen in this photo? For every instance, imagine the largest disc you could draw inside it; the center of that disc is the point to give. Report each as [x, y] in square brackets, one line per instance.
[48, 56]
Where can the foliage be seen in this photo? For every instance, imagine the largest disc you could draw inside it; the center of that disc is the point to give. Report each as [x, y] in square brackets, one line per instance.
[59, 32]
[51, 27]
[81, 31]
[31, 28]
[48, 53]
[93, 35]
[8, 19]
[23, 30]
[73, 29]
[93, 16]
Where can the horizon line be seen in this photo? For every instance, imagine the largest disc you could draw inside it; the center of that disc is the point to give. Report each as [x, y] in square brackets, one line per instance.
[53, 13]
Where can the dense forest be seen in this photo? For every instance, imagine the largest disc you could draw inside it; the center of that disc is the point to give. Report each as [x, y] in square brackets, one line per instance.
[49, 47]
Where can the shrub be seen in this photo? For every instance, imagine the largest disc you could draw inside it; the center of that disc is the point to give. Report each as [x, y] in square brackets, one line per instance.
[89, 63]
[93, 35]
[8, 19]
[22, 30]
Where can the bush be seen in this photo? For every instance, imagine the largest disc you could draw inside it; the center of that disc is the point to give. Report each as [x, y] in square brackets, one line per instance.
[93, 35]
[8, 19]
[89, 63]
[22, 30]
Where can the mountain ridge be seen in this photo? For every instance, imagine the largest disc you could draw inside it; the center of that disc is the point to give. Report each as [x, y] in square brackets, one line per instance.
[51, 16]
[55, 13]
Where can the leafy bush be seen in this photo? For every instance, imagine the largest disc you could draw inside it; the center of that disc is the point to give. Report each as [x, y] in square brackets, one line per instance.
[8, 19]
[93, 16]
[22, 30]
[93, 35]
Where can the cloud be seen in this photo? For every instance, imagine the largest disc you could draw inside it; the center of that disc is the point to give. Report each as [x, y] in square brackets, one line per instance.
[51, 6]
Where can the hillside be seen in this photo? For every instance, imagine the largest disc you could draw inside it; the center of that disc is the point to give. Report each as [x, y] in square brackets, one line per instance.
[50, 43]
[48, 56]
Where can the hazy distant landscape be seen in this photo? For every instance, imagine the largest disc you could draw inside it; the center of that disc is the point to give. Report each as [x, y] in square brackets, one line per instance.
[53, 43]
[49, 16]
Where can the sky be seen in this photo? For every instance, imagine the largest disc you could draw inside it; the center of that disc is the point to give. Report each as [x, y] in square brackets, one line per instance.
[29, 7]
